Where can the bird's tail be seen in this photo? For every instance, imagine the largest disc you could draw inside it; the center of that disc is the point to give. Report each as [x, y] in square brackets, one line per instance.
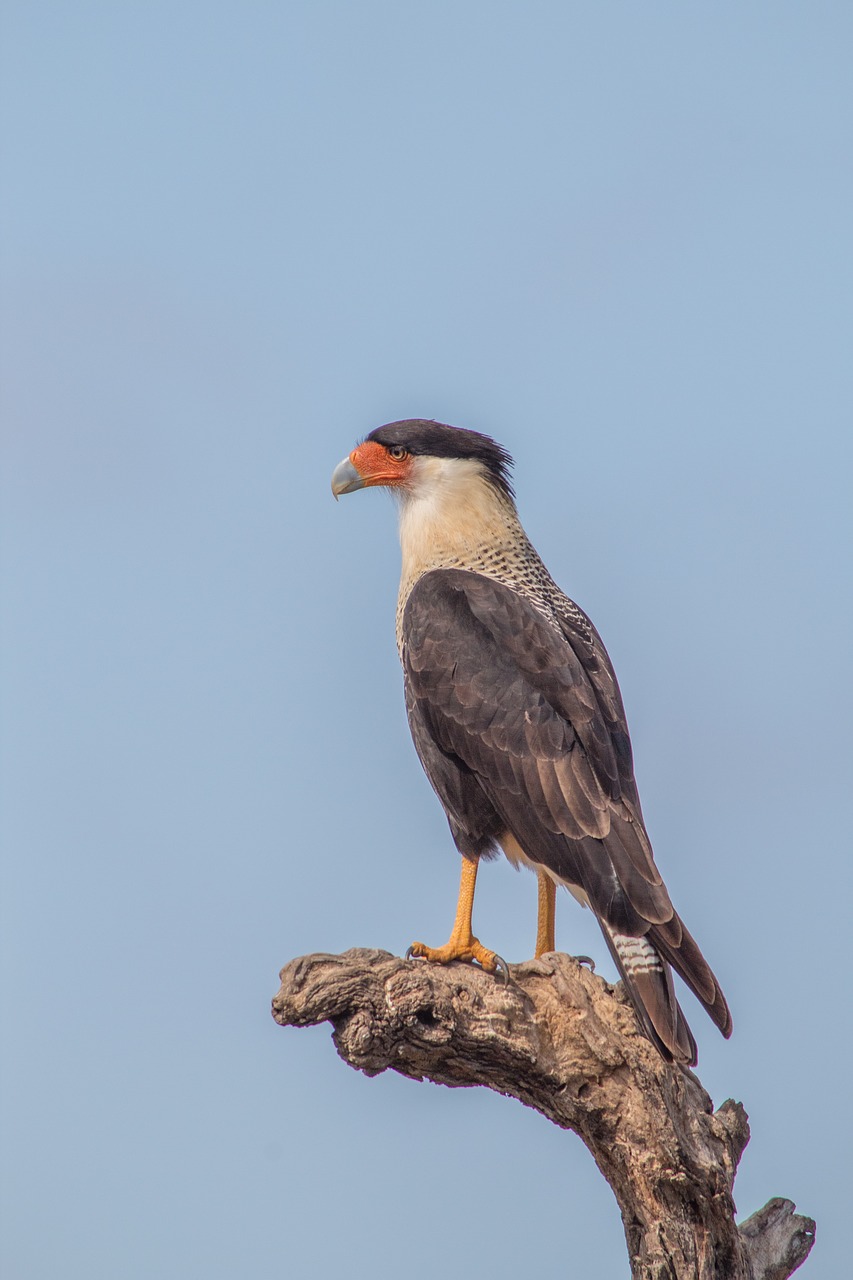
[648, 981]
[676, 944]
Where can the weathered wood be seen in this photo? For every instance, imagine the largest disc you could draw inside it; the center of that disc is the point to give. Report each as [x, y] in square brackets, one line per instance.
[563, 1041]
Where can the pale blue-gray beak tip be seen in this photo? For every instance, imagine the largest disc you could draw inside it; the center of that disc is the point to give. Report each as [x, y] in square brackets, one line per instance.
[345, 479]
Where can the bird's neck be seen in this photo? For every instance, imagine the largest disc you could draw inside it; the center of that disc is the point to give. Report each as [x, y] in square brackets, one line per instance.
[454, 522]
[462, 522]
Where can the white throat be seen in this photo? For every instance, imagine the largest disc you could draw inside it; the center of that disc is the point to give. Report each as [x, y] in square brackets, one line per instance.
[448, 513]
[452, 517]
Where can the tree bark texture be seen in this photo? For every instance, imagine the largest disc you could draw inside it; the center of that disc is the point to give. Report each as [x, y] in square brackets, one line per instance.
[561, 1040]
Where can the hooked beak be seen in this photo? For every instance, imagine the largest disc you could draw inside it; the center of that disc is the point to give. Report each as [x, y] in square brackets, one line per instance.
[345, 479]
[369, 464]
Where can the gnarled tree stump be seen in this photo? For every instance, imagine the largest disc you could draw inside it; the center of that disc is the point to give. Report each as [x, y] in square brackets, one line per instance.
[563, 1041]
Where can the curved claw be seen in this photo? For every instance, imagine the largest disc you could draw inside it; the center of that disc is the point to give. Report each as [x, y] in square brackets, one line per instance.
[500, 970]
[588, 960]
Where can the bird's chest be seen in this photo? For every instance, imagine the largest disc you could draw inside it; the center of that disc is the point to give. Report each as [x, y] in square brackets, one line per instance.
[510, 571]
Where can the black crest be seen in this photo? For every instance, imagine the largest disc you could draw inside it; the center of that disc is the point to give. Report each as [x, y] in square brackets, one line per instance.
[436, 440]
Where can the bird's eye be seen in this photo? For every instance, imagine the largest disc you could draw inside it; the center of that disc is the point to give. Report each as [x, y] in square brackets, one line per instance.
[397, 452]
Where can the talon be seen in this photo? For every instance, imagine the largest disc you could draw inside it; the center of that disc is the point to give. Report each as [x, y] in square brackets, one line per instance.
[462, 945]
[419, 951]
[469, 951]
[588, 960]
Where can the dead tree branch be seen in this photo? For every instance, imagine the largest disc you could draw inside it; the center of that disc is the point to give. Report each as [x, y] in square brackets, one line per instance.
[563, 1041]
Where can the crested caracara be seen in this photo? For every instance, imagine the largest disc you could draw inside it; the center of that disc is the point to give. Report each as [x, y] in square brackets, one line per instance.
[518, 721]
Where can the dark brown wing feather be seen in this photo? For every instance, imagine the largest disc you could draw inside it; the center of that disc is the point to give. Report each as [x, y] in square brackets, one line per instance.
[519, 724]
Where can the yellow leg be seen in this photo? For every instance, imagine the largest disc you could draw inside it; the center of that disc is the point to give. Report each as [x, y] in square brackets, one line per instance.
[461, 945]
[545, 922]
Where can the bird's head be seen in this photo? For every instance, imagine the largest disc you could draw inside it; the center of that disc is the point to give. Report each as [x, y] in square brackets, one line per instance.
[415, 457]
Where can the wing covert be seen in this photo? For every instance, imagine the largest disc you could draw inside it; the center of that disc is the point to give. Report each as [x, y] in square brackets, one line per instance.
[502, 691]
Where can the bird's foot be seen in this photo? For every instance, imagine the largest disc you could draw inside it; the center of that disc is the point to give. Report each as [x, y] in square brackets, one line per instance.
[467, 949]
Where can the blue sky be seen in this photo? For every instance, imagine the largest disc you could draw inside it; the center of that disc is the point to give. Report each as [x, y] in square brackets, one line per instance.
[235, 239]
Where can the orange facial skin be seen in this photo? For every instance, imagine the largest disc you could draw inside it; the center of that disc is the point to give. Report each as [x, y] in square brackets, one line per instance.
[375, 465]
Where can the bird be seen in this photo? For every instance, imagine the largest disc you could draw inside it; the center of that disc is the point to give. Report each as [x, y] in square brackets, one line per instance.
[517, 718]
